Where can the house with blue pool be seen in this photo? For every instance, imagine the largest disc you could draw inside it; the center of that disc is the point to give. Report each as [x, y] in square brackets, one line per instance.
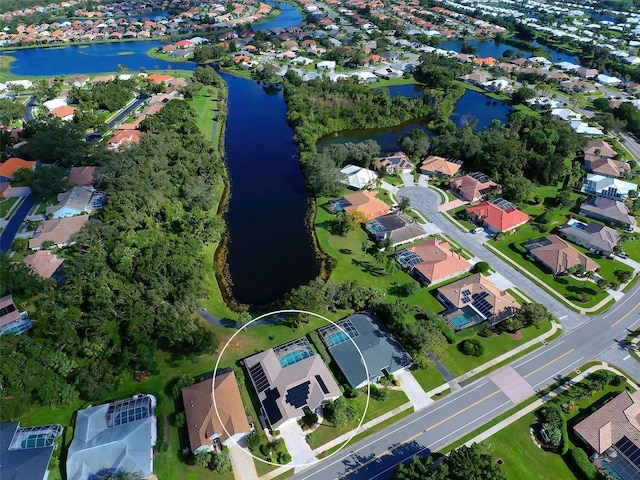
[364, 333]
[289, 378]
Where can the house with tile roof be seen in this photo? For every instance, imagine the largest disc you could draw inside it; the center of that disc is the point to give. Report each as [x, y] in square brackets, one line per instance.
[614, 431]
[396, 227]
[357, 178]
[498, 215]
[594, 236]
[43, 263]
[432, 261]
[12, 321]
[599, 159]
[607, 210]
[289, 378]
[22, 457]
[122, 138]
[474, 186]
[82, 176]
[607, 187]
[60, 231]
[435, 165]
[381, 352]
[558, 255]
[395, 163]
[363, 201]
[9, 168]
[479, 298]
[209, 429]
[64, 112]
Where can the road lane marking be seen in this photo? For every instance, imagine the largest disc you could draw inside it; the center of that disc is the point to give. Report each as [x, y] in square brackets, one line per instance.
[549, 363]
[565, 368]
[562, 318]
[627, 357]
[468, 407]
[631, 312]
[544, 352]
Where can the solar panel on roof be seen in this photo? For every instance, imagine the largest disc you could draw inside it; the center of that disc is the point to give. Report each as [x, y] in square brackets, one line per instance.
[270, 406]
[323, 386]
[629, 450]
[481, 304]
[466, 291]
[259, 378]
[297, 396]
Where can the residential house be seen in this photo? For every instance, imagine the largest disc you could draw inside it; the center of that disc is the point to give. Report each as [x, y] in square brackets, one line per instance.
[391, 56]
[123, 138]
[474, 187]
[498, 215]
[82, 176]
[608, 80]
[365, 77]
[585, 72]
[478, 299]
[117, 436]
[12, 321]
[594, 236]
[396, 227]
[58, 231]
[395, 163]
[357, 177]
[65, 113]
[210, 426]
[474, 78]
[388, 73]
[380, 351]
[73, 202]
[5, 189]
[22, 458]
[613, 432]
[557, 255]
[434, 165]
[9, 168]
[607, 187]
[289, 378]
[326, 65]
[432, 261]
[598, 159]
[607, 210]
[565, 114]
[364, 201]
[43, 263]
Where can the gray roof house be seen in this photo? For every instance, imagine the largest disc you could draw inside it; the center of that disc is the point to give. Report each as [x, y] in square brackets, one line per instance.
[25, 452]
[594, 236]
[73, 202]
[114, 437]
[608, 210]
[289, 378]
[398, 227]
[382, 353]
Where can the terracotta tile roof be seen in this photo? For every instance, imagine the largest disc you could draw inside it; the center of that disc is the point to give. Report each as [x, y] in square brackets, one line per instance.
[12, 165]
[43, 263]
[435, 164]
[474, 186]
[607, 167]
[499, 214]
[124, 137]
[157, 78]
[605, 149]
[365, 201]
[501, 303]
[610, 423]
[82, 176]
[63, 111]
[438, 261]
[559, 256]
[201, 418]
[59, 231]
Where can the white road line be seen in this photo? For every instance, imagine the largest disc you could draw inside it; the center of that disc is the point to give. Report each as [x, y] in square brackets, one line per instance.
[544, 352]
[562, 318]
[627, 357]
[565, 368]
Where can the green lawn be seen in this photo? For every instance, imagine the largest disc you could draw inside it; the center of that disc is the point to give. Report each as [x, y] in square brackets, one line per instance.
[428, 378]
[204, 104]
[393, 180]
[6, 205]
[523, 459]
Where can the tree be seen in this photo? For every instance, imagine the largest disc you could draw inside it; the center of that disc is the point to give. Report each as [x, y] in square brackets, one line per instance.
[202, 459]
[220, 462]
[10, 110]
[416, 143]
[405, 204]
[482, 267]
[623, 276]
[47, 181]
[467, 463]
[323, 175]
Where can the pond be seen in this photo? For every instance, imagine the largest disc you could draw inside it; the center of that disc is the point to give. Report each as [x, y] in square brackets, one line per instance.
[472, 107]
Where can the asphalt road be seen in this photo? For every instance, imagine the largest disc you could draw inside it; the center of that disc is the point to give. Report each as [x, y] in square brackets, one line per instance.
[430, 429]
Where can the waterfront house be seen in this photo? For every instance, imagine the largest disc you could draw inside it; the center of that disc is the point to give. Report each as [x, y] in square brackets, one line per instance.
[557, 255]
[381, 352]
[357, 178]
[474, 187]
[289, 378]
[12, 320]
[435, 165]
[432, 261]
[608, 187]
[396, 227]
[209, 427]
[363, 201]
[395, 163]
[478, 299]
[594, 236]
[498, 215]
[607, 210]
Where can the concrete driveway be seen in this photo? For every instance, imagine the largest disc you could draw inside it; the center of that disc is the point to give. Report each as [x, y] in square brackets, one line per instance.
[418, 398]
[297, 445]
[242, 462]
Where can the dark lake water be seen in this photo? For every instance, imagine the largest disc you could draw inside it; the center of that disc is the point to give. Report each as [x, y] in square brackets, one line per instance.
[271, 250]
[472, 105]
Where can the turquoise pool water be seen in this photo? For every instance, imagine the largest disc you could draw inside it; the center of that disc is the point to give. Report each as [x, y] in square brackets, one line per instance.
[293, 357]
[337, 338]
[460, 320]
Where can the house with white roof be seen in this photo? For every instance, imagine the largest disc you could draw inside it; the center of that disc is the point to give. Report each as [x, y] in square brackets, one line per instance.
[607, 187]
[566, 114]
[607, 80]
[358, 177]
[584, 128]
[326, 65]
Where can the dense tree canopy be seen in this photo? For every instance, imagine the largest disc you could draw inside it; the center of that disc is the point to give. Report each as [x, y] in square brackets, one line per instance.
[111, 96]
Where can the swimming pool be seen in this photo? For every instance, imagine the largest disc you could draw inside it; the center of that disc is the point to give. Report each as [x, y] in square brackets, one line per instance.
[293, 357]
[461, 320]
[576, 223]
[337, 338]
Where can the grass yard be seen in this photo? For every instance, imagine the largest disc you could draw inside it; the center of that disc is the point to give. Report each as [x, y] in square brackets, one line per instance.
[428, 378]
[523, 459]
[393, 180]
[204, 104]
[458, 363]
[6, 205]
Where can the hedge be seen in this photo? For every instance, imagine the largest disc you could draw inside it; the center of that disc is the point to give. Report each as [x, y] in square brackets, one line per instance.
[582, 462]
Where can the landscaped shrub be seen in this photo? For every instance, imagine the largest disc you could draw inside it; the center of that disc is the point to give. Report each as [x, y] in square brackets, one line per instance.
[253, 441]
[379, 394]
[351, 392]
[472, 347]
[582, 462]
[309, 419]
[447, 331]
[283, 458]
[486, 330]
[553, 424]
[320, 348]
[481, 267]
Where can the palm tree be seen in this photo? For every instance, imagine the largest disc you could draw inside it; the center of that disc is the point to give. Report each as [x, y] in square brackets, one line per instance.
[588, 275]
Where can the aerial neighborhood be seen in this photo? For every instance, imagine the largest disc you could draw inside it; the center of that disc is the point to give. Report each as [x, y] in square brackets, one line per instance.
[239, 239]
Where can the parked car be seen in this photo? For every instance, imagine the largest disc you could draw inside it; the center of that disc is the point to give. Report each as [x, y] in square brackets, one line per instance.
[477, 230]
[623, 255]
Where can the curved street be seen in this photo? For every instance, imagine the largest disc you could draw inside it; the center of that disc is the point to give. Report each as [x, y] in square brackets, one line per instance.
[478, 402]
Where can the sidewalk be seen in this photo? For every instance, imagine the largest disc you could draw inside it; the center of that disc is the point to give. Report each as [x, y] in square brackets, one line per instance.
[538, 403]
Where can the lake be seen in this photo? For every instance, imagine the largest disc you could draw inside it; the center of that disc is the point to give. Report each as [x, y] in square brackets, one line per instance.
[472, 105]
